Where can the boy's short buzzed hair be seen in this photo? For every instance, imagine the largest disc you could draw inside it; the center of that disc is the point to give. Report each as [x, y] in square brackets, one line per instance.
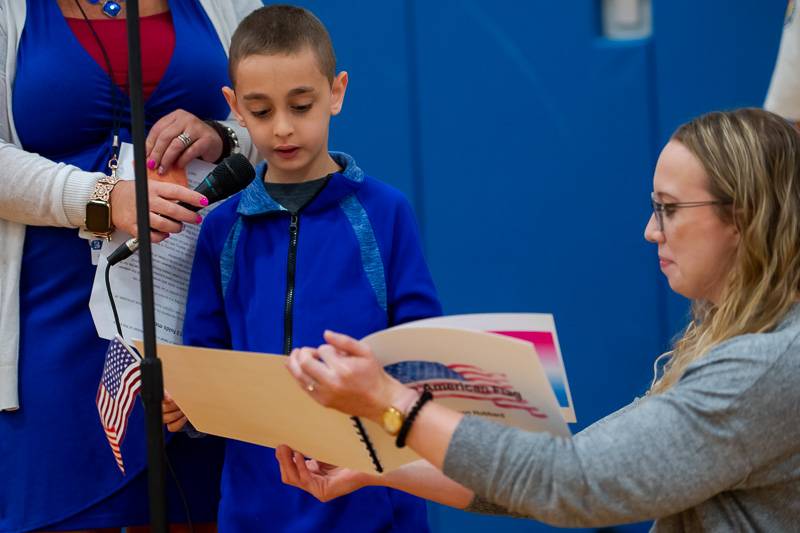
[282, 29]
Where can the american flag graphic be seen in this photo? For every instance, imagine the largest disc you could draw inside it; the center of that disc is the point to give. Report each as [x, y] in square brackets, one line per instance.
[477, 375]
[118, 388]
[462, 381]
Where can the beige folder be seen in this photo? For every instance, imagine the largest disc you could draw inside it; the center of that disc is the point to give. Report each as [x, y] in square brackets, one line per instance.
[252, 397]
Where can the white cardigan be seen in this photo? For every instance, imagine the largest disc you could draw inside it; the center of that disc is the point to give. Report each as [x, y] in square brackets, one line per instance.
[35, 190]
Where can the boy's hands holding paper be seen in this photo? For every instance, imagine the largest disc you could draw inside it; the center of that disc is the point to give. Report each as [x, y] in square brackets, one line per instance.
[171, 414]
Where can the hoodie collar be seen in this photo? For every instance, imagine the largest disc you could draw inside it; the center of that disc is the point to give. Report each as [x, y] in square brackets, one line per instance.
[256, 201]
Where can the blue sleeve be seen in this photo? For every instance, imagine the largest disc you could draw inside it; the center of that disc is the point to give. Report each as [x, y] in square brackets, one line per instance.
[205, 323]
[410, 290]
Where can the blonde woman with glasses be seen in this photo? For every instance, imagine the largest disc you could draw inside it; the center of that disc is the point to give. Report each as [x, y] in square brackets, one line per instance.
[714, 445]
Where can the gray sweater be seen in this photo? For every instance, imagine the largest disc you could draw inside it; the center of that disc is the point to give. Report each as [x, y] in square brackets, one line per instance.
[719, 451]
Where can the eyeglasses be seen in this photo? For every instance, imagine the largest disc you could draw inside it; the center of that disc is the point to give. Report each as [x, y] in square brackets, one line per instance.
[660, 208]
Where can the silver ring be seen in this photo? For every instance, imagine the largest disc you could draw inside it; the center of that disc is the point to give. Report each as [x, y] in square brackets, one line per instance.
[185, 139]
[310, 387]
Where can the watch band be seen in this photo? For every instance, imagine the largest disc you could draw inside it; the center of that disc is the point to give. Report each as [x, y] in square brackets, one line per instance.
[102, 189]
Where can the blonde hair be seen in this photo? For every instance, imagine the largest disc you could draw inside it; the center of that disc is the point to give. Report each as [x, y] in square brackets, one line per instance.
[752, 159]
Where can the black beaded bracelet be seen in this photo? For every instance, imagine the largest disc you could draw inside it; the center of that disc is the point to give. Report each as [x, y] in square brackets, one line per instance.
[230, 143]
[400, 442]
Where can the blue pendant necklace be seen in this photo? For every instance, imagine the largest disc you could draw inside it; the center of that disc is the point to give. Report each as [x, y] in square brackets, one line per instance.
[111, 8]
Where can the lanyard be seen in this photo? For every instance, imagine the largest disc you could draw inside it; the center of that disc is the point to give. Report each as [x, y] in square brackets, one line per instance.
[113, 160]
[96, 245]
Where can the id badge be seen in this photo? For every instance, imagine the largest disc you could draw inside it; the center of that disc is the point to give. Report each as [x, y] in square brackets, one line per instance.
[96, 246]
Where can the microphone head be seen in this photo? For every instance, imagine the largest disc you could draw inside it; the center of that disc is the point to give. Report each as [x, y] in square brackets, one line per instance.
[232, 175]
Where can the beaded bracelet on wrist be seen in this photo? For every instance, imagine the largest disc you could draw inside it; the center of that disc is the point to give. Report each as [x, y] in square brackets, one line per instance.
[400, 442]
[230, 141]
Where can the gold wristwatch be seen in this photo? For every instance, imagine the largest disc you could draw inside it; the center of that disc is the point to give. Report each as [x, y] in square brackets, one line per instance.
[394, 416]
[392, 420]
[98, 208]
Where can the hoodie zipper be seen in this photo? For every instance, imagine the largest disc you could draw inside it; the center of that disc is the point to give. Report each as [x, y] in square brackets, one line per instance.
[291, 264]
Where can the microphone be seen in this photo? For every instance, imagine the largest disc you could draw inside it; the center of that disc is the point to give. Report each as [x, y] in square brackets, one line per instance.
[232, 175]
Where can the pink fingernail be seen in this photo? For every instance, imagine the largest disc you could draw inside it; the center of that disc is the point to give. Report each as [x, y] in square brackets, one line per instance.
[199, 219]
[204, 201]
[151, 164]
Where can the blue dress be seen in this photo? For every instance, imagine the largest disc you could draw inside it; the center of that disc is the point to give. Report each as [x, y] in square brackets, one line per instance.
[56, 468]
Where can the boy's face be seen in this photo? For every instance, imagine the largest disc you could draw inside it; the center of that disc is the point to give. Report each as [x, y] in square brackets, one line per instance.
[286, 103]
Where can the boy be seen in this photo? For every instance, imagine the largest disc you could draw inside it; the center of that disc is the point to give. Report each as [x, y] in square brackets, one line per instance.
[312, 243]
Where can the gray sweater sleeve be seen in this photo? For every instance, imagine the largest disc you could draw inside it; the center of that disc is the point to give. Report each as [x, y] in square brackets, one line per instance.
[733, 411]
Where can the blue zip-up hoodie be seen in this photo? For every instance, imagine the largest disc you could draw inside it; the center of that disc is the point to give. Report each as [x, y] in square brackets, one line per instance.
[264, 279]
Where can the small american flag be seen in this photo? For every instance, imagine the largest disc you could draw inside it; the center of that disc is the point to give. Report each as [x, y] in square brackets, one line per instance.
[118, 388]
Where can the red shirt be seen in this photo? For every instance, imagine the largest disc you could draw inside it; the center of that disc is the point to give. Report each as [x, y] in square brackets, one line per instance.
[157, 41]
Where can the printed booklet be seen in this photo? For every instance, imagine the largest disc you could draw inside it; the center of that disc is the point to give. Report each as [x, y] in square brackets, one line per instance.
[504, 367]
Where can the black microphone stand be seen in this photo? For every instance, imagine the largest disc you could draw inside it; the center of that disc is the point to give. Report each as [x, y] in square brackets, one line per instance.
[152, 377]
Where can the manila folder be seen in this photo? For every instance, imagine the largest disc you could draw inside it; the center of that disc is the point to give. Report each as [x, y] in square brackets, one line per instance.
[252, 397]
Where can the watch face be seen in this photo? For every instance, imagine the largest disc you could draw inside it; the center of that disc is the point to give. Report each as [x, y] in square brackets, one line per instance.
[98, 217]
[392, 420]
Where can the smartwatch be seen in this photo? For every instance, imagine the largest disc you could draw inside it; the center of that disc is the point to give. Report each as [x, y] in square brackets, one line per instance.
[98, 208]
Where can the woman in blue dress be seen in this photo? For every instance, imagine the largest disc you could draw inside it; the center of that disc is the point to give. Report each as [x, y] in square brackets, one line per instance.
[63, 95]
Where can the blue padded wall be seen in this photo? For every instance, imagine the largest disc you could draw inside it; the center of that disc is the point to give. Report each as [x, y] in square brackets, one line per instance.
[371, 44]
[710, 56]
[526, 142]
[537, 148]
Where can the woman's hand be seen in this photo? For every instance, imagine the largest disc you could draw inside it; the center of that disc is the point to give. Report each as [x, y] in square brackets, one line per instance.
[179, 137]
[323, 481]
[344, 375]
[326, 482]
[166, 216]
